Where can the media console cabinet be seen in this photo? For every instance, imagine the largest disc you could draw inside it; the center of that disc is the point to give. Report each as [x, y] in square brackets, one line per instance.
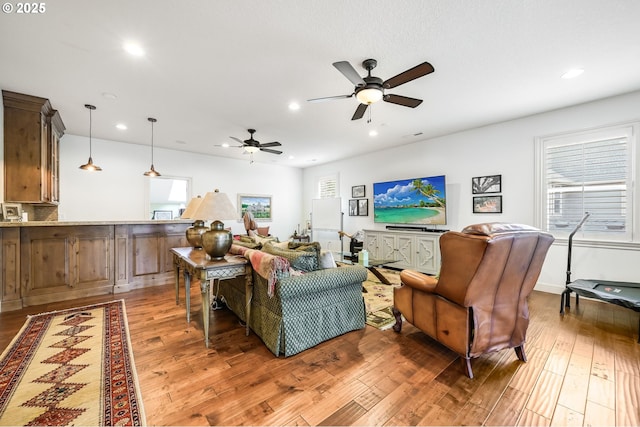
[48, 261]
[416, 250]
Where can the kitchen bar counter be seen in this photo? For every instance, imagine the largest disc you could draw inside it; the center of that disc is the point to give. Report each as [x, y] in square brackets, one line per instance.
[47, 261]
[74, 223]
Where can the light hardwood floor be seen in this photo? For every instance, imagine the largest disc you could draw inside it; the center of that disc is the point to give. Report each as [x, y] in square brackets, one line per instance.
[583, 369]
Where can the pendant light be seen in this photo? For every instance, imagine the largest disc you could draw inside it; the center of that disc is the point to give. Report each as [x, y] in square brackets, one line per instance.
[89, 166]
[152, 171]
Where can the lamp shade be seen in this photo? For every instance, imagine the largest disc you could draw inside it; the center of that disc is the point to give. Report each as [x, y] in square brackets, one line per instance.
[195, 232]
[193, 205]
[216, 206]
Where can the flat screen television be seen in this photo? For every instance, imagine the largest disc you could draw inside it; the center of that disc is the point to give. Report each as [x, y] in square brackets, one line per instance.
[411, 201]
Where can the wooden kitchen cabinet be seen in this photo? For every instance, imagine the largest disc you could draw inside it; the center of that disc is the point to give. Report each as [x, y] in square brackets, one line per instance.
[48, 261]
[142, 253]
[10, 299]
[32, 132]
[61, 263]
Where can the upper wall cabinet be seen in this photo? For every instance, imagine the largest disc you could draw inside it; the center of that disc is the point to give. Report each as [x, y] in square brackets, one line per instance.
[32, 132]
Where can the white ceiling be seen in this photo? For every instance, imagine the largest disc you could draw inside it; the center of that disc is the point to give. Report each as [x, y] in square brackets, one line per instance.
[213, 69]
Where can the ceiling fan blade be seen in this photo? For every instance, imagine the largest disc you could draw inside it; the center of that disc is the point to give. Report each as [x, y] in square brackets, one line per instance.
[329, 98]
[360, 111]
[237, 139]
[411, 74]
[271, 144]
[349, 72]
[228, 146]
[268, 150]
[403, 100]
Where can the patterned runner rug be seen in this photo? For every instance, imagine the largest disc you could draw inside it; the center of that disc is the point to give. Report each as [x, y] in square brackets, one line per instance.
[378, 299]
[71, 367]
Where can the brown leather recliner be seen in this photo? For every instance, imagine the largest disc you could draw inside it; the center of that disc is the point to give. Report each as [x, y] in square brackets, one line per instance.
[479, 303]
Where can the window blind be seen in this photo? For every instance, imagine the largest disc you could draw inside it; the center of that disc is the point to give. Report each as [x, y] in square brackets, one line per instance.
[591, 176]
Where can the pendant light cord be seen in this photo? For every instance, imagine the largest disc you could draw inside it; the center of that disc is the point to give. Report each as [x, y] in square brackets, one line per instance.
[152, 120]
[90, 127]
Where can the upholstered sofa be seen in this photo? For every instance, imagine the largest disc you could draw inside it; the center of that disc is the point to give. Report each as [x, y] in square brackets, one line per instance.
[296, 304]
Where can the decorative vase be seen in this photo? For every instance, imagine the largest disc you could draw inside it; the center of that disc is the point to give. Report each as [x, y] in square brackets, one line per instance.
[217, 241]
[194, 233]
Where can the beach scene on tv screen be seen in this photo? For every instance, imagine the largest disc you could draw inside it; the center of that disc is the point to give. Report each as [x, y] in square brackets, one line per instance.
[410, 201]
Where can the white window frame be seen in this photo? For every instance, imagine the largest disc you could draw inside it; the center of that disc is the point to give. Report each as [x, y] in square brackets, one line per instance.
[629, 130]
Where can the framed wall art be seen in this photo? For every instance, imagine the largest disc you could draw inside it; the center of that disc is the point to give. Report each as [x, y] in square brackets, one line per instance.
[363, 207]
[358, 191]
[12, 212]
[487, 204]
[161, 214]
[258, 205]
[486, 184]
[353, 207]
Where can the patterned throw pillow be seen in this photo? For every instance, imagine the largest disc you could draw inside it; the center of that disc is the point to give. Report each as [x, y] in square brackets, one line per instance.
[262, 240]
[299, 260]
[326, 260]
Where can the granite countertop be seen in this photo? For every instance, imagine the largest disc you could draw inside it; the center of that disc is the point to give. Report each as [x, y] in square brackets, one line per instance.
[77, 223]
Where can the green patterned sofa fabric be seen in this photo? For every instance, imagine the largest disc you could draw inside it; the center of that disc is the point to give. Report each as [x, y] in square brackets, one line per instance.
[299, 259]
[305, 310]
[325, 280]
[307, 247]
[250, 244]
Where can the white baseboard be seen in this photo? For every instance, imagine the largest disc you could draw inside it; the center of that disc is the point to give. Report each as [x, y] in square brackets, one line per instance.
[551, 288]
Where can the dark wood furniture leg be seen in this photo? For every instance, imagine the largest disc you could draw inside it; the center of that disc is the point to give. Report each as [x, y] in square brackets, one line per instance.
[466, 365]
[396, 313]
[379, 275]
[520, 353]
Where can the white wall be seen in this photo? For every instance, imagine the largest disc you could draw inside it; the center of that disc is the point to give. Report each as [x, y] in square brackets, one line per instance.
[505, 149]
[118, 192]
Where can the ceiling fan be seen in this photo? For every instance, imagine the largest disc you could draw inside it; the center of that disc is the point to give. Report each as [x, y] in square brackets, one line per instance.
[371, 89]
[252, 146]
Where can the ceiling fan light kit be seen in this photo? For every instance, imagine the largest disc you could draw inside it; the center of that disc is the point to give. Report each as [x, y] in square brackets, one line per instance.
[252, 146]
[370, 89]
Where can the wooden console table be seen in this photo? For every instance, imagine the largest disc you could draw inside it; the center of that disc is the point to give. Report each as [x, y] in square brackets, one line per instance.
[195, 263]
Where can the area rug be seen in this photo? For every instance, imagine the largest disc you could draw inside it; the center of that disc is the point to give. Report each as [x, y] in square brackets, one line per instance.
[71, 367]
[378, 299]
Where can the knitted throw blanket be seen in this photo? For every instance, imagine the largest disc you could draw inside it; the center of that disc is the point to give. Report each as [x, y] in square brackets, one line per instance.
[268, 266]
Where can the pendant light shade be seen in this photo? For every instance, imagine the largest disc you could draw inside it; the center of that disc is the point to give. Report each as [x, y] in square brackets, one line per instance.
[152, 172]
[89, 166]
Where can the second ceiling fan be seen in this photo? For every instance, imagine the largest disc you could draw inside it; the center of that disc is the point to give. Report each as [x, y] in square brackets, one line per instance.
[251, 146]
[370, 89]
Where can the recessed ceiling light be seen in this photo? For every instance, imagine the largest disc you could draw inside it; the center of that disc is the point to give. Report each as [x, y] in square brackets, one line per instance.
[572, 73]
[225, 145]
[121, 126]
[178, 141]
[133, 49]
[294, 106]
[373, 132]
[108, 95]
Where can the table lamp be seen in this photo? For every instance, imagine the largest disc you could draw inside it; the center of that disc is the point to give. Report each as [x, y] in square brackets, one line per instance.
[194, 233]
[216, 206]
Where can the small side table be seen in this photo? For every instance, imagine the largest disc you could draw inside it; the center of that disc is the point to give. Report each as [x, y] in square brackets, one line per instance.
[194, 263]
[300, 238]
